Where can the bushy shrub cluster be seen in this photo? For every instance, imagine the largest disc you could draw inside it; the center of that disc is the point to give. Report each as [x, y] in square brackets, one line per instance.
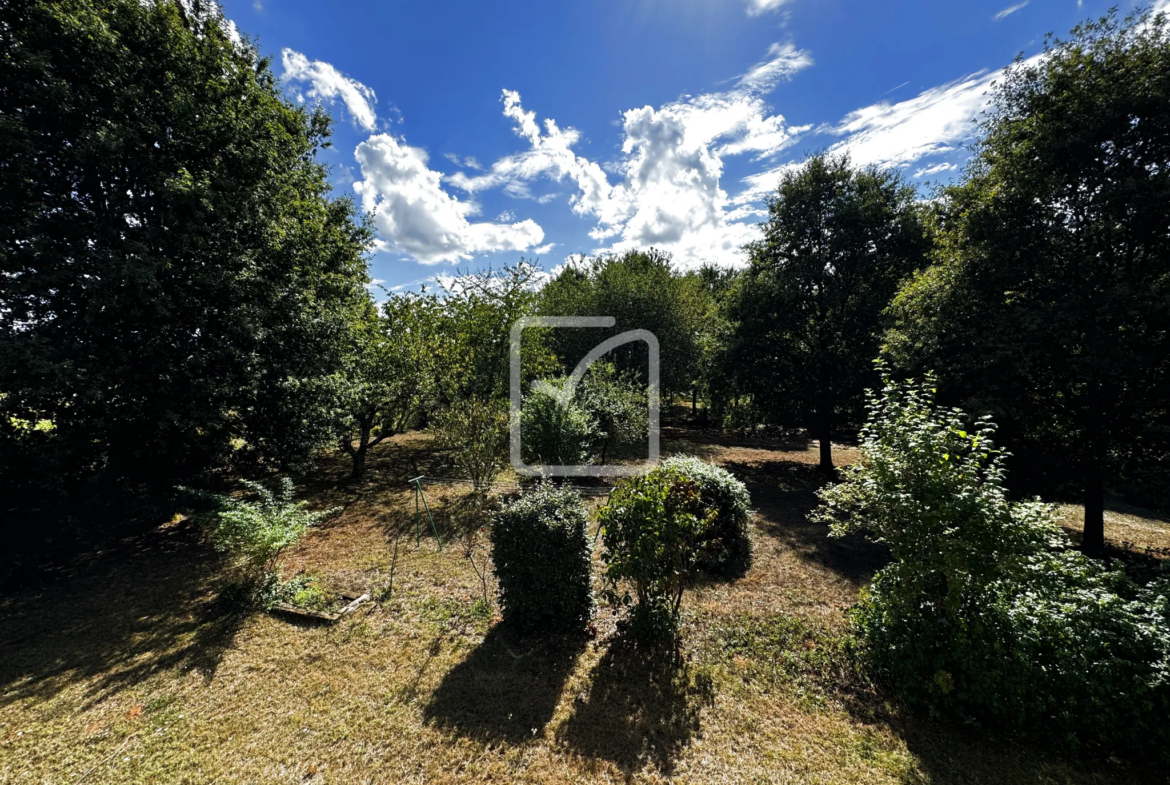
[553, 432]
[985, 611]
[654, 533]
[727, 549]
[541, 556]
[255, 532]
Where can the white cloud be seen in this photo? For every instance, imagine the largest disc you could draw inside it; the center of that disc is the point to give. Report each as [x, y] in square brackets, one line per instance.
[1011, 9]
[757, 7]
[926, 171]
[327, 84]
[782, 61]
[414, 215]
[935, 121]
[667, 191]
[469, 162]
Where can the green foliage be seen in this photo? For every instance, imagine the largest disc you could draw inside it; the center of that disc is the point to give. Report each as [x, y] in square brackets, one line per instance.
[456, 342]
[541, 556]
[985, 612]
[256, 532]
[640, 291]
[807, 312]
[618, 405]
[654, 529]
[477, 431]
[175, 274]
[304, 591]
[554, 433]
[382, 387]
[726, 546]
[1049, 306]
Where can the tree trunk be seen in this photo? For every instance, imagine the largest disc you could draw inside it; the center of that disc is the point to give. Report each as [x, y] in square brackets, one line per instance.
[824, 432]
[359, 455]
[1093, 541]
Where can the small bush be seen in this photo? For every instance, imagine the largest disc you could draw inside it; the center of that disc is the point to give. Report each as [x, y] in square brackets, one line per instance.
[554, 433]
[727, 548]
[985, 612]
[541, 556]
[477, 430]
[304, 591]
[654, 526]
[255, 532]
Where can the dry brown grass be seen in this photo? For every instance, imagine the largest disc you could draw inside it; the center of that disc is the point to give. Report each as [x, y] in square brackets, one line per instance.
[132, 671]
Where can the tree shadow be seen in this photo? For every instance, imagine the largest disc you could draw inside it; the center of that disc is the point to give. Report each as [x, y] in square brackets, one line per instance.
[144, 607]
[783, 495]
[507, 688]
[644, 706]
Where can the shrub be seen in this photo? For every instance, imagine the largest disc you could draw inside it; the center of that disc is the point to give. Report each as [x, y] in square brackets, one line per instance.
[304, 591]
[477, 430]
[541, 556]
[727, 549]
[554, 433]
[985, 611]
[617, 404]
[654, 530]
[256, 532]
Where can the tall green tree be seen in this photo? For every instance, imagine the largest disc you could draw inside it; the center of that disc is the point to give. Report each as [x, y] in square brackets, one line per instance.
[641, 291]
[807, 311]
[1050, 304]
[174, 277]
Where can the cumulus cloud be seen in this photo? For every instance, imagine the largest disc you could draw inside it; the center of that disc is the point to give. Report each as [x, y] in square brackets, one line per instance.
[667, 189]
[413, 215]
[327, 84]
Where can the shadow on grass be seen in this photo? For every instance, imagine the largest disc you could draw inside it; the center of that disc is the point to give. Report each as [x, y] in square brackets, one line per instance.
[507, 688]
[784, 494]
[643, 706]
[141, 608]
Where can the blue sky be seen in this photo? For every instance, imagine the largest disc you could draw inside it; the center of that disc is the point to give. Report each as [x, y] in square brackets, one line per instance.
[476, 133]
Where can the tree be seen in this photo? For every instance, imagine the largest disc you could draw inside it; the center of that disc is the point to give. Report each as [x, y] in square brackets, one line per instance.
[382, 395]
[807, 311]
[638, 289]
[173, 276]
[617, 404]
[1050, 302]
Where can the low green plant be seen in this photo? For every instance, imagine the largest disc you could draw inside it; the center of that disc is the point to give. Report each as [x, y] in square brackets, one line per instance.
[477, 430]
[304, 591]
[985, 611]
[540, 553]
[654, 534]
[727, 548]
[255, 531]
[554, 432]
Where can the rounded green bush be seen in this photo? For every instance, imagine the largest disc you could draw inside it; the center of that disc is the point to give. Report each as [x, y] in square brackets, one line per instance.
[727, 551]
[654, 525]
[541, 556]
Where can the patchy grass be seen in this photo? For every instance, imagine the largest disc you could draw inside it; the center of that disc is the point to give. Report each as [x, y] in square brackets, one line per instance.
[132, 670]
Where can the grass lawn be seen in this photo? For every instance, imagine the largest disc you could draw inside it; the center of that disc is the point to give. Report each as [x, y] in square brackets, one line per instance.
[128, 669]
